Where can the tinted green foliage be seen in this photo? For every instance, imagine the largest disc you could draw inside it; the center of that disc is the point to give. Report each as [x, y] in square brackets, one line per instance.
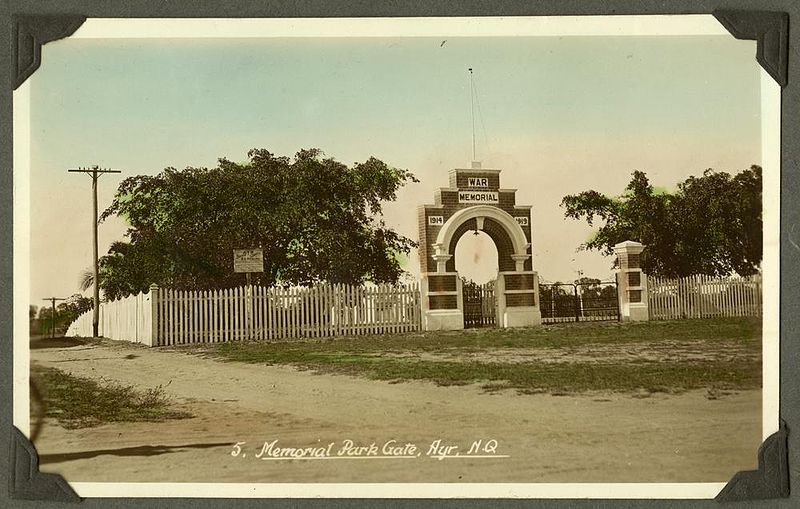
[315, 218]
[711, 225]
[81, 402]
[66, 313]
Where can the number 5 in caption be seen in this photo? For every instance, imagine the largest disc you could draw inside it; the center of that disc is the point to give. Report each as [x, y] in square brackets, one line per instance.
[237, 449]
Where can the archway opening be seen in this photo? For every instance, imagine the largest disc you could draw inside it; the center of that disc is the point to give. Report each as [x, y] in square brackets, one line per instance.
[476, 261]
[476, 257]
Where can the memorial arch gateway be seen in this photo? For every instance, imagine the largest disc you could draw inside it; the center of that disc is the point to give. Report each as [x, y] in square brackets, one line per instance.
[474, 201]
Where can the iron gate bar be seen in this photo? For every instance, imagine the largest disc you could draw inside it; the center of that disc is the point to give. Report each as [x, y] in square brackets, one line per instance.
[575, 302]
[479, 304]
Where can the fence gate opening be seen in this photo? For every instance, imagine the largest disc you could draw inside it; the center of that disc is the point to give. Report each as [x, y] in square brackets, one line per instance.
[479, 304]
[579, 302]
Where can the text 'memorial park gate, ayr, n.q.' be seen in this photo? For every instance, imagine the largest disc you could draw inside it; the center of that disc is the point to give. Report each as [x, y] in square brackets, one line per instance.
[474, 201]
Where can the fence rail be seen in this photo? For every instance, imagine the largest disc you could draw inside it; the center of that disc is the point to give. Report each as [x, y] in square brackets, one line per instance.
[704, 297]
[181, 317]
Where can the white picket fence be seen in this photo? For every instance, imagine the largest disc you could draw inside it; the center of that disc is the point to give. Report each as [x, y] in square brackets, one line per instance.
[704, 297]
[259, 313]
[126, 319]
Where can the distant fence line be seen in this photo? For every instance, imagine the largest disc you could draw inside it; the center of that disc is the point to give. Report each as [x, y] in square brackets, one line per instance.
[255, 312]
[704, 297]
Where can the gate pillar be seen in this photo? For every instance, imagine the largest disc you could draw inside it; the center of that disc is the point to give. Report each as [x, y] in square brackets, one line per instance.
[442, 301]
[517, 295]
[631, 282]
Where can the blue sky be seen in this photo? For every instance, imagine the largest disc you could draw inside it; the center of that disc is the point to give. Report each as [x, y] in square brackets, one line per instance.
[559, 115]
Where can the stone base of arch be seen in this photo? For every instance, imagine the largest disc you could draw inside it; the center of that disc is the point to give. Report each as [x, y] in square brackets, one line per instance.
[443, 320]
[516, 292]
[442, 301]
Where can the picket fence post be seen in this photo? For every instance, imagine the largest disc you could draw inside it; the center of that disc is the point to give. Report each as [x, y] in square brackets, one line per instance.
[701, 296]
[175, 317]
[154, 318]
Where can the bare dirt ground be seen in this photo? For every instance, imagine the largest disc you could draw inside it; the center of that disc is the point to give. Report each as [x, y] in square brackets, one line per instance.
[578, 438]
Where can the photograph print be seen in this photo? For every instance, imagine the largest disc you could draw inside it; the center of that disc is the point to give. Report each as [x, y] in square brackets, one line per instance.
[479, 254]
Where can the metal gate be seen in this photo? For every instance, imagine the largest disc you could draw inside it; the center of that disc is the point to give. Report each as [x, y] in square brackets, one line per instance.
[579, 302]
[479, 304]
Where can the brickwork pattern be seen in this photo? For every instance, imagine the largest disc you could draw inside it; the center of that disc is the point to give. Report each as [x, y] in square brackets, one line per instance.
[444, 283]
[629, 260]
[519, 281]
[443, 302]
[446, 204]
[520, 299]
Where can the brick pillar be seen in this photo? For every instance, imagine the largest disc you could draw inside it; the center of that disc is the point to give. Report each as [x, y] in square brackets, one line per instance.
[631, 282]
[517, 295]
[441, 301]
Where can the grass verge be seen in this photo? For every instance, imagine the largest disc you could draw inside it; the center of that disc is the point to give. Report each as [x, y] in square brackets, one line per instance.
[363, 356]
[81, 402]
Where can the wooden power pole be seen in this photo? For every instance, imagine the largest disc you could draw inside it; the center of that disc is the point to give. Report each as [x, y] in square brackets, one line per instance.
[53, 315]
[95, 172]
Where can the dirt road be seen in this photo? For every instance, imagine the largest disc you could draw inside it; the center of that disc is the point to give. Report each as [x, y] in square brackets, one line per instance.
[540, 438]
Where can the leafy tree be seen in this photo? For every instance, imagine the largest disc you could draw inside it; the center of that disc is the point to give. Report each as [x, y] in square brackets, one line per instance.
[556, 299]
[315, 218]
[710, 225]
[595, 297]
[65, 313]
[46, 321]
[69, 310]
[34, 324]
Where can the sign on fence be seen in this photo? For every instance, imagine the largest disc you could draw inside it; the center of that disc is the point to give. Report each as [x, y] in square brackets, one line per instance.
[248, 260]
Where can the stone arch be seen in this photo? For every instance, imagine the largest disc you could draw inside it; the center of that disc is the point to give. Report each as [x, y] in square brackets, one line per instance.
[495, 231]
[474, 200]
[508, 236]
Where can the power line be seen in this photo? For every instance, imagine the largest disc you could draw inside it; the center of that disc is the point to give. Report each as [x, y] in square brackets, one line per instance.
[94, 172]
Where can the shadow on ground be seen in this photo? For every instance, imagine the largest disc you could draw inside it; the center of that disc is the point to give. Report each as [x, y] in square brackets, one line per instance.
[39, 343]
[142, 450]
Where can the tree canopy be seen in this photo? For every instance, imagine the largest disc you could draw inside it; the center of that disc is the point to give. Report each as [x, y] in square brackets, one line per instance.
[66, 313]
[316, 219]
[711, 225]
